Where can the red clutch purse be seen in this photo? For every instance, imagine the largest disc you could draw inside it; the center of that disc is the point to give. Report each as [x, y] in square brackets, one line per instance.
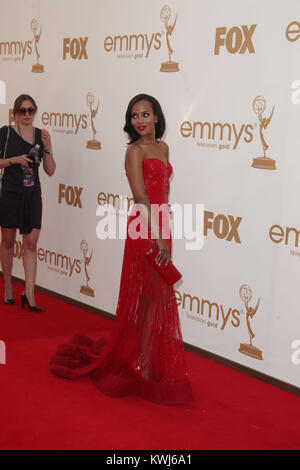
[168, 271]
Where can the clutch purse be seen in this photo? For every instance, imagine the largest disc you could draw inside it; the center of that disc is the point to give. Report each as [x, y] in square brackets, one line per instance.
[167, 271]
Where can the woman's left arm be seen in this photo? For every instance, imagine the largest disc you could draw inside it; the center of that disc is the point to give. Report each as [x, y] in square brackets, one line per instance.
[48, 160]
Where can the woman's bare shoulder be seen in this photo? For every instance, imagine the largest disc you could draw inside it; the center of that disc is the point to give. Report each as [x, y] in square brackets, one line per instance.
[134, 151]
[133, 157]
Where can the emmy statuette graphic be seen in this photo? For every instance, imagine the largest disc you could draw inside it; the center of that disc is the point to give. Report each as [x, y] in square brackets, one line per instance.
[37, 68]
[92, 144]
[263, 163]
[249, 349]
[86, 290]
[169, 66]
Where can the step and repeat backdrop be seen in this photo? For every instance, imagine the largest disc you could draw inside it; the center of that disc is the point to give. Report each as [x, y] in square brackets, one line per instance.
[227, 74]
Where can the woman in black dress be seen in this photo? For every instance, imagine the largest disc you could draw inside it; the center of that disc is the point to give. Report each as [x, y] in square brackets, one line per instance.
[20, 200]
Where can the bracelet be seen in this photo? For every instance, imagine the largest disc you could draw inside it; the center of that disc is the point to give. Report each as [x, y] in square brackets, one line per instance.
[48, 151]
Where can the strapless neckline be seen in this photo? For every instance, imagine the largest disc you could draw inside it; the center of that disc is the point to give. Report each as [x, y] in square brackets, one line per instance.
[167, 167]
[154, 158]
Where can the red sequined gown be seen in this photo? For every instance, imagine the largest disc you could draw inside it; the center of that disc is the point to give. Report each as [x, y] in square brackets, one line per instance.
[145, 354]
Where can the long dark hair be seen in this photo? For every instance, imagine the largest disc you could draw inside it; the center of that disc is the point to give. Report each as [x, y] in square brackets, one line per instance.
[18, 102]
[159, 126]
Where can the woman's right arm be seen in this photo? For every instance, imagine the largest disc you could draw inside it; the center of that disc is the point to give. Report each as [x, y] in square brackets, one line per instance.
[6, 162]
[20, 160]
[134, 170]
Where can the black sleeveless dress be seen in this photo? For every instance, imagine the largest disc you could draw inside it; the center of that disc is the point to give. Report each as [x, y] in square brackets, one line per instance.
[20, 206]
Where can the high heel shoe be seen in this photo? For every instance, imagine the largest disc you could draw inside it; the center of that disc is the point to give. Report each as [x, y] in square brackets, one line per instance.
[32, 308]
[9, 301]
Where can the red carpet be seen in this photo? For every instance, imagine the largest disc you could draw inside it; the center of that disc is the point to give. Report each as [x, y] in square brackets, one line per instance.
[41, 411]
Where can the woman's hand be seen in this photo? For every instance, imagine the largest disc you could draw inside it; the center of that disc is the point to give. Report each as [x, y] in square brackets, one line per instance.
[163, 256]
[46, 139]
[20, 160]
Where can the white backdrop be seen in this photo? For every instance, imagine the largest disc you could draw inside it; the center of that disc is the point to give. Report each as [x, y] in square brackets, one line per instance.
[228, 53]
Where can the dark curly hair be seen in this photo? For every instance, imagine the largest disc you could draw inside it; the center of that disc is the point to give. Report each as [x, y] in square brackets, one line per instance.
[159, 126]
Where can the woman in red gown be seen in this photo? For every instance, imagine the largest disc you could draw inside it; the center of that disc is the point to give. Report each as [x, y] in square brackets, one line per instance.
[145, 354]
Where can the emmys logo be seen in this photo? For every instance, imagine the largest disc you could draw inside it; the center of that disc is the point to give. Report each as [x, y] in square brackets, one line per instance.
[227, 135]
[296, 354]
[75, 47]
[165, 15]
[263, 163]
[2, 92]
[59, 263]
[292, 32]
[245, 348]
[65, 123]
[70, 194]
[132, 43]
[144, 42]
[37, 68]
[86, 290]
[92, 144]
[208, 313]
[235, 40]
[18, 49]
[2, 352]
